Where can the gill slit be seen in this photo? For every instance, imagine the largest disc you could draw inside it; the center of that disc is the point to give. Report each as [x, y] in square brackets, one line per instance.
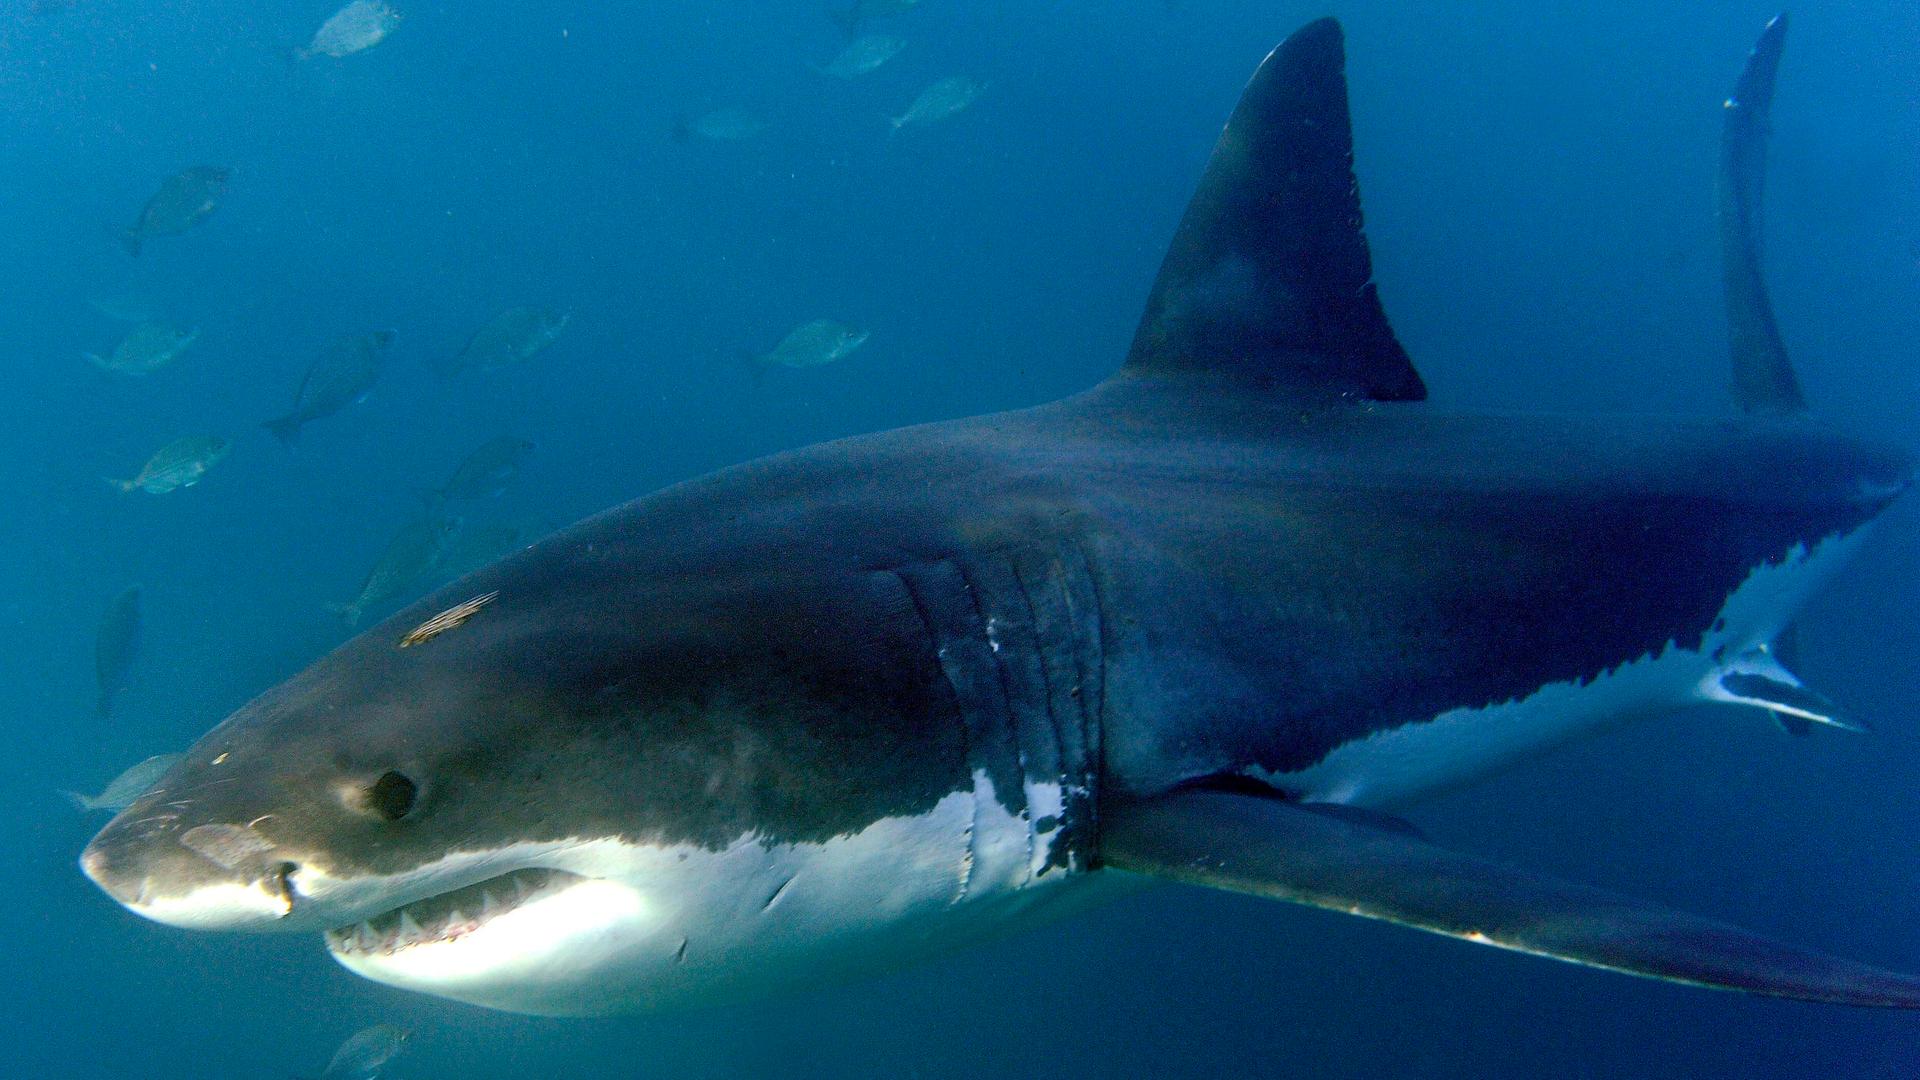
[1097, 719]
[985, 621]
[967, 858]
[1046, 695]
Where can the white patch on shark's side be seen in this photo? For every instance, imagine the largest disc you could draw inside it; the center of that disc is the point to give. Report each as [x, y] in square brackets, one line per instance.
[1461, 745]
[630, 926]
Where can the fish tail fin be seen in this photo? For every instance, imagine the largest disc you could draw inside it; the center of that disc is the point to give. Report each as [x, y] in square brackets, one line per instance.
[130, 242]
[682, 130]
[347, 613]
[753, 364]
[286, 429]
[82, 803]
[1763, 377]
[95, 359]
[123, 486]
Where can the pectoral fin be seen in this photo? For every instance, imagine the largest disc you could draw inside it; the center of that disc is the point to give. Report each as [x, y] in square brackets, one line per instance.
[1265, 847]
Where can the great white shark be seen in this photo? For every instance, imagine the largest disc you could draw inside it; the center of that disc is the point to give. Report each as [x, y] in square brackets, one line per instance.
[1209, 621]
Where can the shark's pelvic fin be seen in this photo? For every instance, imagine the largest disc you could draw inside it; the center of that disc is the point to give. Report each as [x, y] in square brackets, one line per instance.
[1763, 379]
[1268, 278]
[1757, 679]
[1265, 847]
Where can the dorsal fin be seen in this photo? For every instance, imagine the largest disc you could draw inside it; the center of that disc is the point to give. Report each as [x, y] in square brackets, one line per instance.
[1268, 278]
[1763, 379]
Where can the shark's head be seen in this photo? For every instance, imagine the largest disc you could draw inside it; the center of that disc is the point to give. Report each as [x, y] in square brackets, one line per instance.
[603, 788]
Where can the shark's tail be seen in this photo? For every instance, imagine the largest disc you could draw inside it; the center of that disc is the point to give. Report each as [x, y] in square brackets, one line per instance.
[1763, 379]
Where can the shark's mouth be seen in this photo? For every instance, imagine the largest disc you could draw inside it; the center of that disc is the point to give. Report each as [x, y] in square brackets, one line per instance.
[448, 916]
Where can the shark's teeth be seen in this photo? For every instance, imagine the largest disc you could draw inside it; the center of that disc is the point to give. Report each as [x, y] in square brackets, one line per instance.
[446, 917]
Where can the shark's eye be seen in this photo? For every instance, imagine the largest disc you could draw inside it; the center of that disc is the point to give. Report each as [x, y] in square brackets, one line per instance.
[392, 796]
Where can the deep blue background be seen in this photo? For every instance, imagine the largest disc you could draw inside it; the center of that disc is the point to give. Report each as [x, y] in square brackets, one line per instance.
[1538, 180]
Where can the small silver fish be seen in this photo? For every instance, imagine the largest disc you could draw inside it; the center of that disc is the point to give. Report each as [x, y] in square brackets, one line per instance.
[364, 1052]
[812, 344]
[862, 56]
[731, 124]
[484, 473]
[478, 545]
[341, 375]
[146, 348]
[115, 646]
[183, 201]
[125, 304]
[179, 464]
[414, 552]
[355, 28]
[860, 12]
[939, 101]
[122, 790]
[511, 337]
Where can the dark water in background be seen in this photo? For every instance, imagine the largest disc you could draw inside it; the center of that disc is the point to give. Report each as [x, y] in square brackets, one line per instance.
[1538, 180]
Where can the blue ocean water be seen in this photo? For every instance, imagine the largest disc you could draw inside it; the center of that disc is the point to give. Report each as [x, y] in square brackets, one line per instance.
[1539, 189]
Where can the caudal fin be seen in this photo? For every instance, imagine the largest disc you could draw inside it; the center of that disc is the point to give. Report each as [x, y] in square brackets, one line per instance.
[1763, 379]
[130, 242]
[286, 429]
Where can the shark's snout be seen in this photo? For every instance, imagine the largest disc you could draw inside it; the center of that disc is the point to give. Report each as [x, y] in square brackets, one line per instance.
[210, 877]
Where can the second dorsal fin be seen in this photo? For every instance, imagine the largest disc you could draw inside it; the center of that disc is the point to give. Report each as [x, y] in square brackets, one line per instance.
[1269, 278]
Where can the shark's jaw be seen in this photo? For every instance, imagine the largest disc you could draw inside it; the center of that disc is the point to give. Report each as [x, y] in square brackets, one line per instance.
[610, 925]
[531, 940]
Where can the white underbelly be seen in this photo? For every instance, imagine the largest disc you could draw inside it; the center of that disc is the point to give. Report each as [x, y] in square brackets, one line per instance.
[1463, 745]
[650, 925]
